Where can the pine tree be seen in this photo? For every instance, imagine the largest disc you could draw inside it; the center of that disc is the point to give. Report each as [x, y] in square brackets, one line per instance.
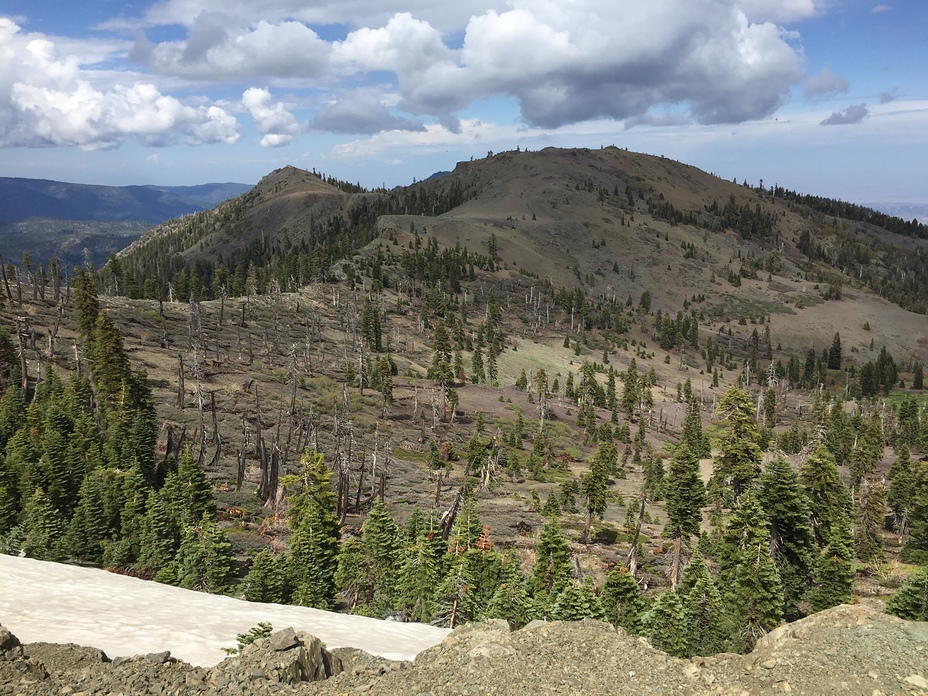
[667, 627]
[316, 532]
[43, 528]
[705, 619]
[791, 542]
[622, 600]
[88, 527]
[869, 522]
[901, 488]
[834, 353]
[418, 577]
[86, 304]
[593, 484]
[916, 548]
[686, 496]
[829, 500]
[382, 550]
[738, 461]
[552, 569]
[691, 433]
[577, 601]
[911, 600]
[510, 601]
[190, 493]
[266, 579]
[455, 598]
[159, 535]
[834, 573]
[753, 591]
[205, 560]
[552, 508]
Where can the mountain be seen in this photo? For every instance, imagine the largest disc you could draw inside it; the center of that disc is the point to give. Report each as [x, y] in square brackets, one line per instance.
[606, 223]
[530, 362]
[53, 217]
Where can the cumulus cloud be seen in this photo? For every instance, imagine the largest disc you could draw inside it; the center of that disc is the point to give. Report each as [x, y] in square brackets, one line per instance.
[725, 62]
[824, 84]
[278, 126]
[704, 61]
[360, 112]
[852, 114]
[783, 11]
[216, 49]
[50, 99]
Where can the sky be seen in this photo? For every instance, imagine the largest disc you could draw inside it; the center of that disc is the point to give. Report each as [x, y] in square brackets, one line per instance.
[828, 97]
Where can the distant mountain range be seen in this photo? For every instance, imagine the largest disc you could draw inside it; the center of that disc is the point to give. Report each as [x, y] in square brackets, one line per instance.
[55, 218]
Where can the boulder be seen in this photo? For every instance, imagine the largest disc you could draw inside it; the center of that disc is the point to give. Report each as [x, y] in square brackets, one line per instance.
[285, 657]
[7, 640]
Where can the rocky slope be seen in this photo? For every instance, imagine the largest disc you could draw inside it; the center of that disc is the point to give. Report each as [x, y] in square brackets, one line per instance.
[845, 650]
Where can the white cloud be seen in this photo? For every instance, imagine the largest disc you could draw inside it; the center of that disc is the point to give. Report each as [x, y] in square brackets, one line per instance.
[852, 114]
[278, 125]
[48, 98]
[824, 84]
[562, 62]
[216, 49]
[881, 8]
[783, 11]
[360, 111]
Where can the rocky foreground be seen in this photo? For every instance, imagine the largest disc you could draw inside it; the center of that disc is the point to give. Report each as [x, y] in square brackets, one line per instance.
[845, 650]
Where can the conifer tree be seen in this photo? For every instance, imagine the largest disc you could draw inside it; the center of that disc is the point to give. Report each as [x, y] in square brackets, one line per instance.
[753, 591]
[266, 579]
[738, 461]
[189, 491]
[455, 598]
[205, 560]
[791, 542]
[86, 304]
[911, 600]
[380, 541]
[43, 528]
[316, 532]
[705, 619]
[88, 527]
[593, 484]
[159, 535]
[510, 601]
[552, 508]
[834, 573]
[577, 601]
[686, 496]
[667, 627]
[869, 522]
[418, 577]
[622, 600]
[691, 433]
[916, 548]
[354, 577]
[901, 488]
[552, 569]
[829, 500]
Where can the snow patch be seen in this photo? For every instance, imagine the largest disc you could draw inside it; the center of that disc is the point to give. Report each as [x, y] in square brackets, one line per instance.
[58, 603]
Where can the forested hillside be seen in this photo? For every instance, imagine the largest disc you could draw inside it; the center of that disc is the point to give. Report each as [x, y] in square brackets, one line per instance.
[560, 384]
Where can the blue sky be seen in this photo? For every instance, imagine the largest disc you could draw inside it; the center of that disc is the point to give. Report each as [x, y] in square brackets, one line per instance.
[822, 96]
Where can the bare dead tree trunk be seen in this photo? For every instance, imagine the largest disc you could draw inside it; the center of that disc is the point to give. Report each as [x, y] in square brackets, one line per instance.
[6, 281]
[180, 381]
[675, 565]
[632, 560]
